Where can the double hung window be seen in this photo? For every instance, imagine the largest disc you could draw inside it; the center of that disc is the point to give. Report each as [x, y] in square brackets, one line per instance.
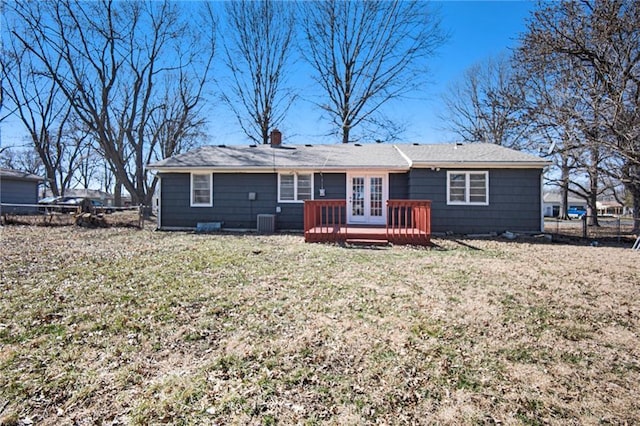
[465, 187]
[295, 187]
[201, 190]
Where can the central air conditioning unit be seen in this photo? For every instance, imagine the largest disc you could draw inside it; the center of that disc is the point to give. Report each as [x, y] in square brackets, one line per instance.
[266, 223]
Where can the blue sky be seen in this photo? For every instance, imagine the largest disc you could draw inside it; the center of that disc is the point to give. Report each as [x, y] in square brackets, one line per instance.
[478, 30]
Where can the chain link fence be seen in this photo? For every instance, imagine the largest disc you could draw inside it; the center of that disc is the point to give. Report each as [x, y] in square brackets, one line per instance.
[609, 228]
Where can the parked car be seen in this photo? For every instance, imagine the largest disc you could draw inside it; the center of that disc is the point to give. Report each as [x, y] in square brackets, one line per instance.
[60, 204]
[100, 207]
[48, 200]
[576, 213]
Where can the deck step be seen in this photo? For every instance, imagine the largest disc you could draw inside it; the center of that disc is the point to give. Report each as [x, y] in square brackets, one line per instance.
[367, 242]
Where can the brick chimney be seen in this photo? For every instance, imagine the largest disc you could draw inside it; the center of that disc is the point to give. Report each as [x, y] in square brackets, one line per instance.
[276, 137]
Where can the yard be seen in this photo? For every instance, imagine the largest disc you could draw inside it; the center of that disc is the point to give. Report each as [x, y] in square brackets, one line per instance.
[124, 326]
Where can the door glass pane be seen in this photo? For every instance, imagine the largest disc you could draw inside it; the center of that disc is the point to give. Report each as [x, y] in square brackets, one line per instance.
[376, 196]
[357, 196]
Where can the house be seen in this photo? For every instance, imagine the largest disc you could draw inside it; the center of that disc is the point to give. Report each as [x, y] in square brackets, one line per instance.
[473, 188]
[553, 200]
[610, 207]
[17, 187]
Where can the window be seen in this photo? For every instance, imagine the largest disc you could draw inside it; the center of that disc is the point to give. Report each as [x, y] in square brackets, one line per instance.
[201, 190]
[295, 187]
[468, 188]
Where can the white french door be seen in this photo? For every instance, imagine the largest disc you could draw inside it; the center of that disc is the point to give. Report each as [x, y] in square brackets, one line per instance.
[367, 195]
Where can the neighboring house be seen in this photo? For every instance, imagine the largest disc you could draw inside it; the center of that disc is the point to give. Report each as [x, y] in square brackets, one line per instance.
[553, 201]
[610, 208]
[17, 187]
[474, 188]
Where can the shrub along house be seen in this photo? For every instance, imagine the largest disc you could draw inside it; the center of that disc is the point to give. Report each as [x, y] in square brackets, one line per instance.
[462, 188]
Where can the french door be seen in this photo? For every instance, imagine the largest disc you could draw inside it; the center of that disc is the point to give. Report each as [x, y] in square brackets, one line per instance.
[367, 195]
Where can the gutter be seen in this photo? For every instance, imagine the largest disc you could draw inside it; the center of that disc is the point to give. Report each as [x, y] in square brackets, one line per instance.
[481, 165]
[318, 169]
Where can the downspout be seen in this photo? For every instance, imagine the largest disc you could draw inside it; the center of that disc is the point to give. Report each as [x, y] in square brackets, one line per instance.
[159, 198]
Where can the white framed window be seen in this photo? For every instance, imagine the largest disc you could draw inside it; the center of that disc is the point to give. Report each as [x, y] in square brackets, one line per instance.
[295, 187]
[468, 188]
[201, 190]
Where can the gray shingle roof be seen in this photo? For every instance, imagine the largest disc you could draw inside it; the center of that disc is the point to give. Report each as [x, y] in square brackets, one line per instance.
[299, 157]
[341, 157]
[555, 197]
[18, 175]
[467, 153]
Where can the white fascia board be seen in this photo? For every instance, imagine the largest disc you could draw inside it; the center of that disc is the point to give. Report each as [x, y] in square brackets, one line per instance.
[272, 169]
[212, 170]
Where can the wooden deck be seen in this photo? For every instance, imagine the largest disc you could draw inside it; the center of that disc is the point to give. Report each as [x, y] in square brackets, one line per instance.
[365, 235]
[408, 222]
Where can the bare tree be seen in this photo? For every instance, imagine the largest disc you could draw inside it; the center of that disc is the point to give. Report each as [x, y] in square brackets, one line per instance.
[488, 104]
[564, 104]
[549, 105]
[258, 47]
[601, 40]
[89, 160]
[117, 63]
[43, 110]
[367, 53]
[26, 160]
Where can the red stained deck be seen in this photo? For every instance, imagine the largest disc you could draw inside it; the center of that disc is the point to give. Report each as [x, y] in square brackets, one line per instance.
[408, 222]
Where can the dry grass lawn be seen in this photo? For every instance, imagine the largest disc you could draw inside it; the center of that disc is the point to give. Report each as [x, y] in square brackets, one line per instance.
[122, 326]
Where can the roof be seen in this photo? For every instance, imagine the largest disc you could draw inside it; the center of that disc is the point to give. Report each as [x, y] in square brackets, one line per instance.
[346, 157]
[556, 197]
[18, 175]
[475, 153]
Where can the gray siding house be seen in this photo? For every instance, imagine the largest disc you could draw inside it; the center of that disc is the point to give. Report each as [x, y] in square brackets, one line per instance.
[18, 187]
[474, 188]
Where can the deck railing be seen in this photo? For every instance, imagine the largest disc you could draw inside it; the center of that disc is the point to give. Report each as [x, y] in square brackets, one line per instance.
[408, 222]
[325, 220]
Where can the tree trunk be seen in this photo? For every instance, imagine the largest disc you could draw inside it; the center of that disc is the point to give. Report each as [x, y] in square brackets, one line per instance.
[345, 134]
[592, 207]
[117, 194]
[634, 190]
[52, 182]
[564, 189]
[636, 214]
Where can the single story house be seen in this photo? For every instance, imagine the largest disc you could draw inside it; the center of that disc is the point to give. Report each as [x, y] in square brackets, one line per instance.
[553, 200]
[473, 188]
[17, 187]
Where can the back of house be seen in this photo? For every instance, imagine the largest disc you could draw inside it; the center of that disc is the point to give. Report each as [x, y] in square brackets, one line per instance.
[473, 188]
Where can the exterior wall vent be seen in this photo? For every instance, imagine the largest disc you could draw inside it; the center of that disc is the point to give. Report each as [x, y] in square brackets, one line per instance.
[266, 223]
